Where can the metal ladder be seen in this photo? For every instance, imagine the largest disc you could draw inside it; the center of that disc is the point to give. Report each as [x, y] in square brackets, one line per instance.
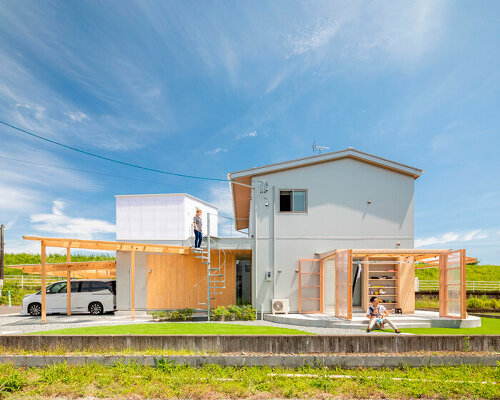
[216, 277]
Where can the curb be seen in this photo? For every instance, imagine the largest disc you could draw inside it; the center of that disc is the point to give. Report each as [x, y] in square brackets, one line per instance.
[286, 361]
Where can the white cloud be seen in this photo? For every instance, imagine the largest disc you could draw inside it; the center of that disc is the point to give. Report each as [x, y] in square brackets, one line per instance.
[16, 198]
[216, 151]
[58, 222]
[313, 37]
[450, 237]
[248, 134]
[77, 116]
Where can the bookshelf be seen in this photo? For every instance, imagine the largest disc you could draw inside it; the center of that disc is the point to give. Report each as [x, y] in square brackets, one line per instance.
[381, 279]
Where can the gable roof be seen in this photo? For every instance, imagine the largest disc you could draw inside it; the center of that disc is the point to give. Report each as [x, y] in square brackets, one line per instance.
[241, 194]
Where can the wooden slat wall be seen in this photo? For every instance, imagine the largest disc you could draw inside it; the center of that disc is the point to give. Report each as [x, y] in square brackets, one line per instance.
[170, 280]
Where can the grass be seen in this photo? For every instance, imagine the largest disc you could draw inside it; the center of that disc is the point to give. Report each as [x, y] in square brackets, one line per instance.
[489, 326]
[176, 328]
[473, 273]
[169, 380]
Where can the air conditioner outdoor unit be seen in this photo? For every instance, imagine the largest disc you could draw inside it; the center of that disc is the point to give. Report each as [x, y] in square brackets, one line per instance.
[280, 306]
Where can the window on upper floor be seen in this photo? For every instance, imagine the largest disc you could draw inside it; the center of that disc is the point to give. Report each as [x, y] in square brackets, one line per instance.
[293, 200]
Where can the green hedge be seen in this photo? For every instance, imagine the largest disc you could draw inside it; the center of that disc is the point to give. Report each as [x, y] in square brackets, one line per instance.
[183, 314]
[233, 313]
[474, 303]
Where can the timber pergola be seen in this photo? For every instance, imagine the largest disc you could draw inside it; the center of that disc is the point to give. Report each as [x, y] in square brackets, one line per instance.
[451, 264]
[69, 266]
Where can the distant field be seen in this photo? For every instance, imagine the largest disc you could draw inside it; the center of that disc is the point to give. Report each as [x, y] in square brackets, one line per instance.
[30, 258]
[473, 273]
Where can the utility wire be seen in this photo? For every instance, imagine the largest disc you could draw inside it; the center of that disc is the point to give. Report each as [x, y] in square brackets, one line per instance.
[111, 159]
[92, 172]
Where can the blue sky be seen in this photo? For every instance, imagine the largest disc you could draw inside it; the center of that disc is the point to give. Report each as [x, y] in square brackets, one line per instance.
[209, 87]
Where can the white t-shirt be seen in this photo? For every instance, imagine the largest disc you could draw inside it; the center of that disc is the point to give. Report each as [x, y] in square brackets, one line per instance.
[381, 310]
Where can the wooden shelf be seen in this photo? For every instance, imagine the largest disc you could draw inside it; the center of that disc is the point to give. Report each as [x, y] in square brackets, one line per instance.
[376, 279]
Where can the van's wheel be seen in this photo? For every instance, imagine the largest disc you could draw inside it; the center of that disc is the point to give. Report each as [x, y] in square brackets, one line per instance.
[96, 308]
[35, 309]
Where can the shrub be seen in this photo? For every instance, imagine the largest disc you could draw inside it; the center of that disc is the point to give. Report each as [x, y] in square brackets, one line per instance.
[175, 315]
[233, 313]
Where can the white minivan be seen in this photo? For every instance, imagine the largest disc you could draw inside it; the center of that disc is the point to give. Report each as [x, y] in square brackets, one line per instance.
[96, 296]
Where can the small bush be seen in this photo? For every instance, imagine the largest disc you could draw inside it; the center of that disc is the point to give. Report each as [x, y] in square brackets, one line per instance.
[13, 382]
[482, 303]
[184, 314]
[233, 313]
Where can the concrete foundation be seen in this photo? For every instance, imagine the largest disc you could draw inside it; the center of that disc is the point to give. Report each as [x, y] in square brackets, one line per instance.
[420, 319]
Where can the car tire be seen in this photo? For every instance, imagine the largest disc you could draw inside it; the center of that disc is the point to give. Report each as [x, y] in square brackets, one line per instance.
[96, 308]
[35, 309]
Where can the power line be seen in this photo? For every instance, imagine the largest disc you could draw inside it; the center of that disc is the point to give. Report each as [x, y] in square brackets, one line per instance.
[92, 172]
[111, 159]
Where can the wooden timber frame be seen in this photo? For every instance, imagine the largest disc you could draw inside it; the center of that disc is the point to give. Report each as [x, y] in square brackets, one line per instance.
[452, 277]
[68, 267]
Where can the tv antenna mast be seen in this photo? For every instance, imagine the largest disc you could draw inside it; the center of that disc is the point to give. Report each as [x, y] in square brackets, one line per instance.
[319, 148]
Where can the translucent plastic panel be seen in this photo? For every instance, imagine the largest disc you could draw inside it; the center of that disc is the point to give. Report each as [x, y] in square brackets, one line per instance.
[343, 285]
[453, 284]
[310, 290]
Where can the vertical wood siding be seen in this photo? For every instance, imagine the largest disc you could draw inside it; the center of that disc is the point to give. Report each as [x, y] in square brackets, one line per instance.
[171, 278]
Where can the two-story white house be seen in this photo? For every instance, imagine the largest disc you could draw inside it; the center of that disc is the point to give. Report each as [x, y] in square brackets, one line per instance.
[296, 209]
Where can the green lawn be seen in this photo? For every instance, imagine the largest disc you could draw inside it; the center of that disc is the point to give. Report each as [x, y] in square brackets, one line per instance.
[489, 326]
[175, 328]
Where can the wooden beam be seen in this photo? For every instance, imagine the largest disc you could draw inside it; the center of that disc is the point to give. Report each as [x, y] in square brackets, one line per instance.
[132, 284]
[43, 289]
[71, 266]
[110, 246]
[68, 283]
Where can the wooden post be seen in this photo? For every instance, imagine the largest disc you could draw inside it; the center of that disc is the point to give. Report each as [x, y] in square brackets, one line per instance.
[68, 283]
[132, 284]
[337, 286]
[321, 287]
[349, 284]
[300, 287]
[43, 289]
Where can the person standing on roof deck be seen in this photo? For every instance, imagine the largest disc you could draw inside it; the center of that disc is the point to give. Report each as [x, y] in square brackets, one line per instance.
[197, 224]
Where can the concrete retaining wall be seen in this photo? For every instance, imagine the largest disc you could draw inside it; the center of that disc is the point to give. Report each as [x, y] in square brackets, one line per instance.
[344, 361]
[274, 344]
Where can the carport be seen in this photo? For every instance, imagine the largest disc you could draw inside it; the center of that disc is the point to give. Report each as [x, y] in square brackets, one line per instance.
[89, 269]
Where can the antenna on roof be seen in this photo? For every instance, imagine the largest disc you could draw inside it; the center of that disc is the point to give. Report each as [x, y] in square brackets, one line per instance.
[319, 148]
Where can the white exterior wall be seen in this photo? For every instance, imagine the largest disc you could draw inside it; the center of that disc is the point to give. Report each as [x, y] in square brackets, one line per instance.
[338, 216]
[160, 217]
